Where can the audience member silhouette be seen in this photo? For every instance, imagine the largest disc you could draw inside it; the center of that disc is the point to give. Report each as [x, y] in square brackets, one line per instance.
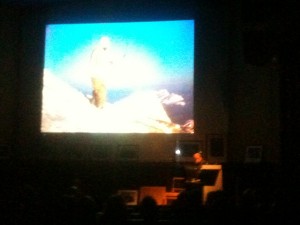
[28, 205]
[149, 210]
[188, 208]
[115, 211]
[77, 207]
[221, 204]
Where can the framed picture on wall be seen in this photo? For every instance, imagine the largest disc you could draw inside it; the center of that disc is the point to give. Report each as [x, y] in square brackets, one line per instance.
[253, 154]
[130, 196]
[128, 152]
[216, 148]
[185, 149]
[99, 152]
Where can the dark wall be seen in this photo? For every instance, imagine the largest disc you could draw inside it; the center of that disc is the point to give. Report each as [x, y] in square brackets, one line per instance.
[9, 54]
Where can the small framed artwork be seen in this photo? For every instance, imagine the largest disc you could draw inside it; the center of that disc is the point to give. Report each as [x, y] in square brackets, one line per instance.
[128, 152]
[130, 196]
[216, 148]
[185, 149]
[253, 154]
[99, 152]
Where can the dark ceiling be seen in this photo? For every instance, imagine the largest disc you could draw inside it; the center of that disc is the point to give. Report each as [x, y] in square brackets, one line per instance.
[33, 2]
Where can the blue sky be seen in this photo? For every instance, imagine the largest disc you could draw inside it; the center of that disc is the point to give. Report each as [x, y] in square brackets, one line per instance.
[162, 51]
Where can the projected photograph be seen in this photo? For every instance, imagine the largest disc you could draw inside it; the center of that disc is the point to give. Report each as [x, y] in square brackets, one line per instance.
[122, 77]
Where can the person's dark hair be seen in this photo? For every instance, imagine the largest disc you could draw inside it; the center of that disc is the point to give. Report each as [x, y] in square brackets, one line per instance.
[114, 211]
[149, 209]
